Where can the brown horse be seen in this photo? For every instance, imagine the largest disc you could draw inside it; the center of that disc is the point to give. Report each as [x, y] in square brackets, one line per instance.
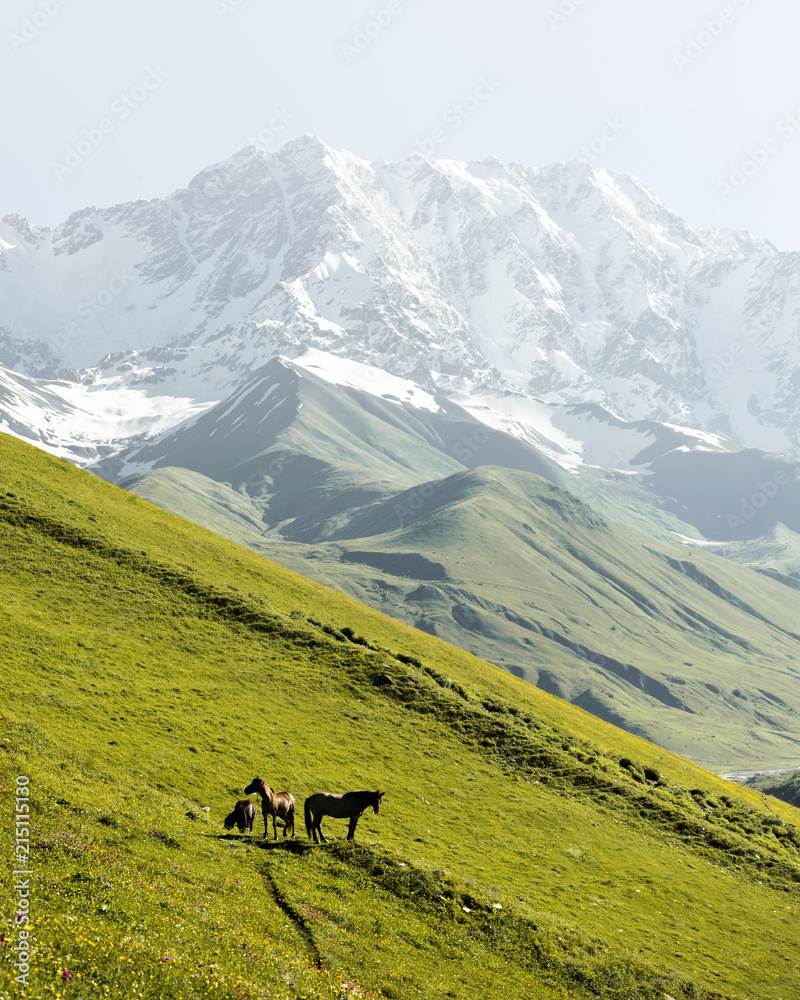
[242, 817]
[273, 804]
[350, 805]
[286, 809]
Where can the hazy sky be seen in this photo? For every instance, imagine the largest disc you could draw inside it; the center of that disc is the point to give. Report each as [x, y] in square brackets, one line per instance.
[109, 100]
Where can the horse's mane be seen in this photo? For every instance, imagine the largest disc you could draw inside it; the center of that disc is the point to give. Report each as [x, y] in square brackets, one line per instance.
[259, 783]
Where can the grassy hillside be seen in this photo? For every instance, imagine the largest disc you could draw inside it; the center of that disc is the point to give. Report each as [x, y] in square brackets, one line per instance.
[696, 653]
[153, 669]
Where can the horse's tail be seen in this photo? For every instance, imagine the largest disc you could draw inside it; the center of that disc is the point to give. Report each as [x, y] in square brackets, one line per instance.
[307, 811]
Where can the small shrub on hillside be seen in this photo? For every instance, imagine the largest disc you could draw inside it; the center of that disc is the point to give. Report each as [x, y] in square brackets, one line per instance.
[359, 640]
[633, 769]
[334, 633]
[411, 660]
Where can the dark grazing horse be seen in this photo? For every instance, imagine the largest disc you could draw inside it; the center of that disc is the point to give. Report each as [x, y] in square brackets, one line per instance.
[275, 804]
[350, 805]
[242, 817]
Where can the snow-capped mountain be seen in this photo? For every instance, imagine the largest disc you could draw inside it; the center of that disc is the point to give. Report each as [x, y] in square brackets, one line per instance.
[563, 283]
[318, 357]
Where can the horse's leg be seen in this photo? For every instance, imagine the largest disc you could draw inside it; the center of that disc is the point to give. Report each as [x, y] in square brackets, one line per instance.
[352, 829]
[319, 827]
[274, 827]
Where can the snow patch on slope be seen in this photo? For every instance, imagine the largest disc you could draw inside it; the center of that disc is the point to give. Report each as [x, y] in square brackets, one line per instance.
[85, 422]
[367, 378]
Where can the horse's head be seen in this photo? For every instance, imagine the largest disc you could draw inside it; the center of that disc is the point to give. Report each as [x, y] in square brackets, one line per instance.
[254, 786]
[230, 820]
[376, 804]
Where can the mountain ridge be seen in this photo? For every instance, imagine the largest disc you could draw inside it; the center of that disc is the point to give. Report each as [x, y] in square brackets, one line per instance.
[561, 282]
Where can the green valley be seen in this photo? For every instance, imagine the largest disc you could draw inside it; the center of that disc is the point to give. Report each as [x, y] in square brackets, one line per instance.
[576, 583]
[690, 650]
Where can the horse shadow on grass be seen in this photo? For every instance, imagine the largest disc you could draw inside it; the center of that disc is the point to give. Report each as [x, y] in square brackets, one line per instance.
[291, 846]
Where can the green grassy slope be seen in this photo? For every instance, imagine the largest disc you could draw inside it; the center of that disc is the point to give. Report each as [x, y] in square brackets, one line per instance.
[151, 669]
[678, 645]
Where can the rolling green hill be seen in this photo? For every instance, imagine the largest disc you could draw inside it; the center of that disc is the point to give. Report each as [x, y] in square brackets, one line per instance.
[151, 669]
[541, 572]
[689, 650]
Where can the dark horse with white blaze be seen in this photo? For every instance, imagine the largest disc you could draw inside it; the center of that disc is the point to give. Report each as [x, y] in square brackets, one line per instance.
[275, 804]
[351, 805]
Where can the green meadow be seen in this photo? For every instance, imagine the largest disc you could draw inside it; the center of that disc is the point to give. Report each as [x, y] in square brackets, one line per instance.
[152, 669]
